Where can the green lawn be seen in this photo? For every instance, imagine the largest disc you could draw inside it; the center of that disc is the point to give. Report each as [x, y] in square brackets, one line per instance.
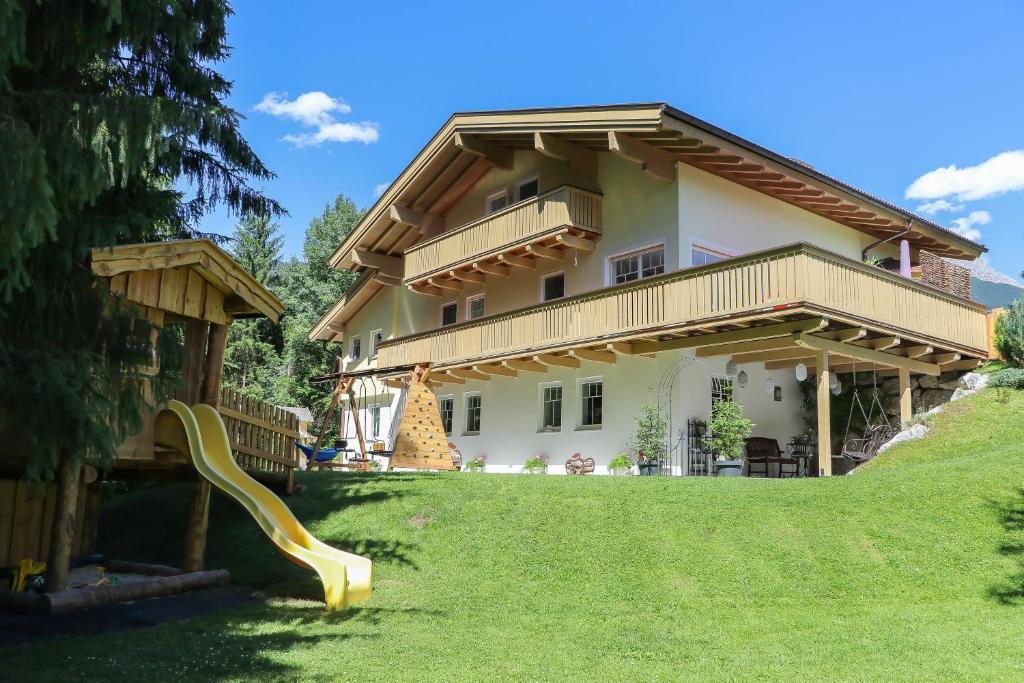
[911, 569]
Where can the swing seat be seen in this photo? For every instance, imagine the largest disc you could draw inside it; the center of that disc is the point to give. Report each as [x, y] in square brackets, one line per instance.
[325, 454]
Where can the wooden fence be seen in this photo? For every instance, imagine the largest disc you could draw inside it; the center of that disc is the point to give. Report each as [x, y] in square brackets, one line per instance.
[262, 435]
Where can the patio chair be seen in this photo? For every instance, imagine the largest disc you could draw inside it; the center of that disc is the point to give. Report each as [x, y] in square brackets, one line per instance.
[577, 464]
[764, 451]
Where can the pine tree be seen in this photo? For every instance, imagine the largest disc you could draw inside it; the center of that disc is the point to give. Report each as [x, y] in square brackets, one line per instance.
[257, 246]
[105, 109]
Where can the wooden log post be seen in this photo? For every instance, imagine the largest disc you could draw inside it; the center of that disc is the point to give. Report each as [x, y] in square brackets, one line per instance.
[199, 502]
[192, 364]
[824, 416]
[63, 533]
[906, 400]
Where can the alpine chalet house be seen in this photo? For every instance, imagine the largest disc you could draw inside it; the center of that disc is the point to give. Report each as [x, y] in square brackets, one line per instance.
[549, 271]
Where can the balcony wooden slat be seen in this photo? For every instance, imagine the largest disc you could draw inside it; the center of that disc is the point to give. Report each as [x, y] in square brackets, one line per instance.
[799, 275]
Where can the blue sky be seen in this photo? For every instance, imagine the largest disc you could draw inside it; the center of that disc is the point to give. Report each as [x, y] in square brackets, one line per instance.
[877, 94]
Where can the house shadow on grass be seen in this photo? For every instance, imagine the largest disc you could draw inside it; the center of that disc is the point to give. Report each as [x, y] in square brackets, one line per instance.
[1011, 515]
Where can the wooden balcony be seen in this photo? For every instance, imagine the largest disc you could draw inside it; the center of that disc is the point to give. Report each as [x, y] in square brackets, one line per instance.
[566, 216]
[785, 283]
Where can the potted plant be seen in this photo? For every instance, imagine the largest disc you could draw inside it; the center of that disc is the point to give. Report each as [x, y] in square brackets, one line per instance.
[649, 439]
[729, 429]
[538, 464]
[620, 465]
[477, 464]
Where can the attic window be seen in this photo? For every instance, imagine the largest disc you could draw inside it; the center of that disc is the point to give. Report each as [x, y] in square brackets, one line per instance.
[497, 201]
[528, 188]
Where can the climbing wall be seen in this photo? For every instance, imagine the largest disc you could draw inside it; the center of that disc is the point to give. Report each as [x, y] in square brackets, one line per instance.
[421, 442]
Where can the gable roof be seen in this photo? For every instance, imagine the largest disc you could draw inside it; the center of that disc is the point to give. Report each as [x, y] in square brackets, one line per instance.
[443, 170]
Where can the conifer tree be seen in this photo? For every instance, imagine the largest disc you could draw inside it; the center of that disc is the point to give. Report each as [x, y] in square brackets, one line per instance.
[106, 108]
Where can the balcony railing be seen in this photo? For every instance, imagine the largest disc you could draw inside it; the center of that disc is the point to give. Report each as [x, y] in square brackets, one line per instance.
[800, 274]
[529, 221]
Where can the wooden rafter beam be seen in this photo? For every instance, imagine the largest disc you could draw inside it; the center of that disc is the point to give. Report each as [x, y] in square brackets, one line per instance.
[496, 155]
[561, 361]
[429, 290]
[388, 265]
[477, 170]
[916, 351]
[525, 365]
[467, 373]
[516, 261]
[492, 268]
[654, 161]
[724, 339]
[579, 158]
[862, 353]
[593, 355]
[880, 343]
[848, 335]
[495, 369]
[466, 276]
[762, 356]
[942, 358]
[442, 283]
[544, 252]
[429, 224]
[772, 344]
[447, 378]
[581, 243]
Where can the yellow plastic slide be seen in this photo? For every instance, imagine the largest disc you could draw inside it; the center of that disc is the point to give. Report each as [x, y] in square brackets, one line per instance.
[200, 431]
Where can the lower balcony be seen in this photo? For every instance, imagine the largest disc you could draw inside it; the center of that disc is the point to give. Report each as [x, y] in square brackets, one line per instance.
[865, 309]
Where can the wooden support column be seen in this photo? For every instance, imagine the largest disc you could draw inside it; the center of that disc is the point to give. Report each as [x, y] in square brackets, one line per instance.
[354, 408]
[824, 416]
[63, 533]
[199, 502]
[192, 363]
[906, 402]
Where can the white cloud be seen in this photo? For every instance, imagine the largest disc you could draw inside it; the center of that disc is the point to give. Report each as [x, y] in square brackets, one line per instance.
[998, 175]
[967, 226]
[378, 189]
[316, 109]
[932, 208]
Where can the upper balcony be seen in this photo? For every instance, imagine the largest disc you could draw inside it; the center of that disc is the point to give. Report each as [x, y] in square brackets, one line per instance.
[884, 315]
[564, 217]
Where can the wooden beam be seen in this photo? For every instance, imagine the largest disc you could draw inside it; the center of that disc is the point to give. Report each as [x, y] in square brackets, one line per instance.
[655, 162]
[477, 170]
[916, 351]
[943, 358]
[906, 400]
[429, 224]
[594, 355]
[466, 276]
[824, 415]
[581, 243]
[848, 335]
[525, 365]
[580, 159]
[492, 268]
[444, 284]
[762, 356]
[966, 364]
[562, 361]
[447, 378]
[389, 265]
[429, 290]
[859, 352]
[723, 338]
[880, 343]
[496, 155]
[466, 373]
[773, 344]
[544, 252]
[517, 261]
[492, 369]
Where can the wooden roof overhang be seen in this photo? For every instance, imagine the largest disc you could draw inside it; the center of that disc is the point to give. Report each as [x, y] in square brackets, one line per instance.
[331, 327]
[192, 278]
[656, 136]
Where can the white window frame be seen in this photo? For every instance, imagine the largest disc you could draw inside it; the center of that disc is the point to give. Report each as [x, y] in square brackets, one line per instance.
[711, 248]
[351, 354]
[446, 304]
[579, 402]
[469, 305]
[440, 399]
[609, 271]
[494, 195]
[541, 427]
[374, 344]
[374, 413]
[465, 404]
[543, 278]
[524, 181]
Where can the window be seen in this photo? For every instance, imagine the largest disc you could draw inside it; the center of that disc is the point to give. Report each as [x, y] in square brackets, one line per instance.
[701, 256]
[721, 390]
[375, 339]
[497, 201]
[449, 314]
[527, 188]
[475, 307]
[638, 265]
[551, 407]
[552, 286]
[357, 347]
[375, 420]
[591, 400]
[446, 405]
[473, 413]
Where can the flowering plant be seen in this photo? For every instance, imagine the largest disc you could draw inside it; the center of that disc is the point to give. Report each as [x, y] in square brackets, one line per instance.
[477, 464]
[538, 464]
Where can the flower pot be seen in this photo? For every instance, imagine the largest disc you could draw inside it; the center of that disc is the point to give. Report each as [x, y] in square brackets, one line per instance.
[618, 471]
[649, 468]
[728, 468]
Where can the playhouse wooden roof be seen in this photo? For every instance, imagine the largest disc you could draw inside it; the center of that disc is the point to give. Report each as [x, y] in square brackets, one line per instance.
[193, 278]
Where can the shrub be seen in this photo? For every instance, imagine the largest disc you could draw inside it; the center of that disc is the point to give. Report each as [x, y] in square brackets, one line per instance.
[620, 462]
[1009, 378]
[477, 464]
[1009, 338]
[729, 428]
[538, 464]
[650, 439]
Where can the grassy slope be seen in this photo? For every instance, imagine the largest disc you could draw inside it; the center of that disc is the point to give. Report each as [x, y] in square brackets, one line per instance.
[911, 569]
